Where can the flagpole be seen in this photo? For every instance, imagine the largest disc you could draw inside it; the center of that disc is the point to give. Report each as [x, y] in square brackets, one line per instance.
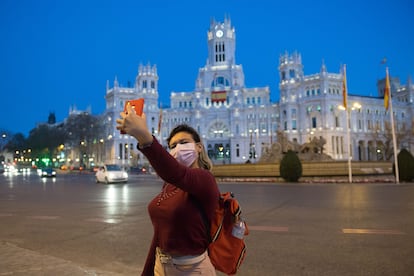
[160, 123]
[349, 145]
[394, 140]
[348, 128]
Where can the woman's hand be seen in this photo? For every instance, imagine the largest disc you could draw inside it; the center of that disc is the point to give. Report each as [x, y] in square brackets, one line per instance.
[134, 125]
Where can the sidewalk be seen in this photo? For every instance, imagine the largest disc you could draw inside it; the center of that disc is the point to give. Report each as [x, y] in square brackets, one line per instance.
[19, 261]
[321, 180]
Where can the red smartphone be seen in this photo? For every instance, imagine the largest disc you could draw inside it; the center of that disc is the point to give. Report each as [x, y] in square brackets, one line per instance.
[137, 105]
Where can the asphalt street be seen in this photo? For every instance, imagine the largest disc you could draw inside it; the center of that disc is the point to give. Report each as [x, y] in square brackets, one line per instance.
[70, 225]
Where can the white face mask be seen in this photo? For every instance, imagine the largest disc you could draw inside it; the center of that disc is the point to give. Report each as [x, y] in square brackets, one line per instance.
[186, 153]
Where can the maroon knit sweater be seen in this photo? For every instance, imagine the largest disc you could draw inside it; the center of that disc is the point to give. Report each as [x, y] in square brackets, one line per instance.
[179, 227]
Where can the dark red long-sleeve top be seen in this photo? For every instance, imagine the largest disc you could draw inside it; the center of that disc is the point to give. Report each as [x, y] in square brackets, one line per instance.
[179, 226]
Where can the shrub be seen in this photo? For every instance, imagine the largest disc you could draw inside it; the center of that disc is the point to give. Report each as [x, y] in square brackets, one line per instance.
[290, 167]
[405, 166]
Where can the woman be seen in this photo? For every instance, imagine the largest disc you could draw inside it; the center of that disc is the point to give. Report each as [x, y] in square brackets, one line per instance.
[180, 241]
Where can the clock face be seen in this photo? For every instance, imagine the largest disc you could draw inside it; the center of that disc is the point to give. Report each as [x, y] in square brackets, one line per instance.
[219, 33]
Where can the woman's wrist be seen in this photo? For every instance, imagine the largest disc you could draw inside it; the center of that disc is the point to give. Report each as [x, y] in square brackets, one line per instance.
[144, 146]
[145, 141]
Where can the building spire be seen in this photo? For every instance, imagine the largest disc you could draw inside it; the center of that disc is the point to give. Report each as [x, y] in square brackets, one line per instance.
[323, 67]
[116, 84]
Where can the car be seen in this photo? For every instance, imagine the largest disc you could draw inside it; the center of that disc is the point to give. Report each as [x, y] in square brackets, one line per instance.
[138, 170]
[111, 173]
[48, 172]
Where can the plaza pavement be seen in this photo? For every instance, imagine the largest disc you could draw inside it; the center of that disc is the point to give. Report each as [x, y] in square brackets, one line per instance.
[19, 261]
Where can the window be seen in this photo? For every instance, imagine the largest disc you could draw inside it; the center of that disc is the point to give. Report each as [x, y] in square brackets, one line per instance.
[292, 73]
[144, 84]
[283, 75]
[220, 56]
[152, 84]
[336, 121]
[294, 124]
[313, 122]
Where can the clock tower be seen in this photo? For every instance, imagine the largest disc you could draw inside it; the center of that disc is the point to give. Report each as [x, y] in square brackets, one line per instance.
[221, 43]
[221, 73]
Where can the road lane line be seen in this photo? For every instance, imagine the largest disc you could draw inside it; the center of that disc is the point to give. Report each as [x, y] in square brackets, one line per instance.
[5, 215]
[372, 231]
[110, 221]
[269, 228]
[44, 217]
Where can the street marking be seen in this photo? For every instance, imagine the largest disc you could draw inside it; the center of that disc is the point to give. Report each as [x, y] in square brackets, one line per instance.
[44, 217]
[110, 221]
[269, 228]
[5, 215]
[372, 231]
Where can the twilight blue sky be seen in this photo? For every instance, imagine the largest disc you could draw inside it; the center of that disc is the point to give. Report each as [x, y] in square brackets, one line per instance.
[59, 53]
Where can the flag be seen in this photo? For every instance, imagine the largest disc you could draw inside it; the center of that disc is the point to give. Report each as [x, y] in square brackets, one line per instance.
[218, 96]
[344, 90]
[387, 91]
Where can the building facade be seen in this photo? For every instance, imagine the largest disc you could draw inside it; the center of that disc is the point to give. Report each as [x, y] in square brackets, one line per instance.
[237, 123]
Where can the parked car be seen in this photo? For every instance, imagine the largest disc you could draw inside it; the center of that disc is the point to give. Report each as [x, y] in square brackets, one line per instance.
[138, 170]
[48, 172]
[111, 173]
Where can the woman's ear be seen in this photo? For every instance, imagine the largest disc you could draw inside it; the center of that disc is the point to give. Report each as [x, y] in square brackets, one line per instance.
[199, 147]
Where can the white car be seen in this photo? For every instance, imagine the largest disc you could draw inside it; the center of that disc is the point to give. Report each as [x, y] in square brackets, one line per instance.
[111, 173]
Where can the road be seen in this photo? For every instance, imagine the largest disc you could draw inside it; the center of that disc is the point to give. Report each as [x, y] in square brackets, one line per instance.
[72, 226]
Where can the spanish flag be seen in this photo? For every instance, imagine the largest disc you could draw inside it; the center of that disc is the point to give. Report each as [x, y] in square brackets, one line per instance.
[344, 90]
[218, 96]
[387, 91]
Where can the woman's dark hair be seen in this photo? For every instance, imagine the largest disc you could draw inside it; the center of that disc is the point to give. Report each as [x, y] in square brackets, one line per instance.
[203, 159]
[184, 128]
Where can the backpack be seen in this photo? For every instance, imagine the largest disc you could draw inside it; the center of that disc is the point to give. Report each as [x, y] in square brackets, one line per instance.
[226, 251]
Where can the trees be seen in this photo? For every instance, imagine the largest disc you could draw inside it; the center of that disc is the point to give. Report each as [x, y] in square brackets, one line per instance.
[383, 139]
[13, 143]
[290, 167]
[405, 166]
[44, 140]
[83, 131]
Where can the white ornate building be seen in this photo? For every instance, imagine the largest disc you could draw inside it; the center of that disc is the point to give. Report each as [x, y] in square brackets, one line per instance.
[236, 123]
